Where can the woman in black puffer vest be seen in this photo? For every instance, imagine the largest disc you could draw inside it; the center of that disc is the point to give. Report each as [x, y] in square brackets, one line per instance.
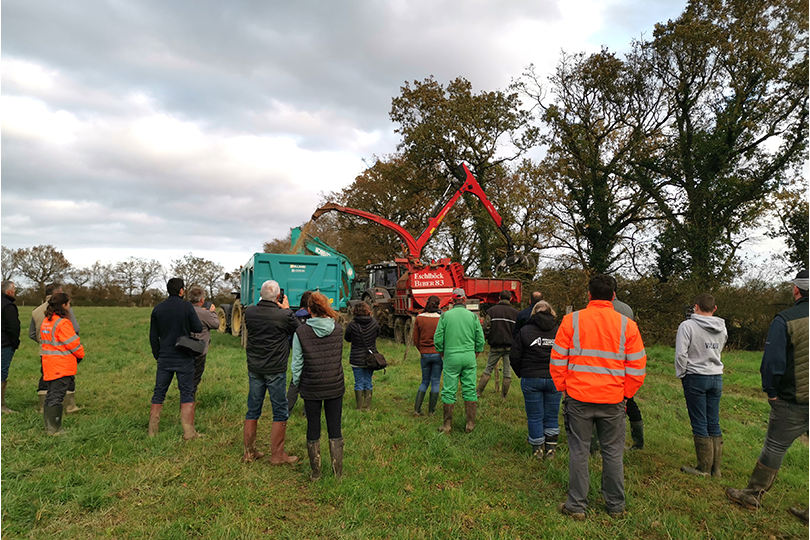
[362, 333]
[530, 357]
[317, 370]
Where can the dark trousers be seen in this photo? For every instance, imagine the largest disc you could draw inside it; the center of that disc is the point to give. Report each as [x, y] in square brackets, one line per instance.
[43, 384]
[609, 420]
[633, 412]
[333, 411]
[57, 389]
[786, 423]
[185, 383]
[199, 368]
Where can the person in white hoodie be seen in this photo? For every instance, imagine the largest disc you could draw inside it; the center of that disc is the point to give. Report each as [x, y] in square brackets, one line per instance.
[698, 345]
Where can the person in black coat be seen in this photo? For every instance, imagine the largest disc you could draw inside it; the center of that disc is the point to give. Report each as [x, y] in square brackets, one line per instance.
[172, 319]
[362, 333]
[10, 321]
[530, 357]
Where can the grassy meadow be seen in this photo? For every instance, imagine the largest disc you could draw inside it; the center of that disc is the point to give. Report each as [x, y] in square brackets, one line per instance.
[402, 479]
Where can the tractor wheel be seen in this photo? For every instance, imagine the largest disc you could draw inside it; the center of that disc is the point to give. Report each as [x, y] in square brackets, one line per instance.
[399, 330]
[224, 314]
[236, 318]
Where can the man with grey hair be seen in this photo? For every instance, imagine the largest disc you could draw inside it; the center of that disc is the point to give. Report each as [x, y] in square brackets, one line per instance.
[785, 373]
[209, 320]
[10, 321]
[37, 316]
[269, 325]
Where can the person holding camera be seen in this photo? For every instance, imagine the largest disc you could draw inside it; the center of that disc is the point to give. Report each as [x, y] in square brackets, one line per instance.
[362, 333]
[269, 325]
[209, 320]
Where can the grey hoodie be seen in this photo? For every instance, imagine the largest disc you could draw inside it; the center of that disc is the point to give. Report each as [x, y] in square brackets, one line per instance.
[698, 346]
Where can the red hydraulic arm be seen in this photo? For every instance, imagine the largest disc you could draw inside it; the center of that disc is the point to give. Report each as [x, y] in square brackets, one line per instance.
[414, 249]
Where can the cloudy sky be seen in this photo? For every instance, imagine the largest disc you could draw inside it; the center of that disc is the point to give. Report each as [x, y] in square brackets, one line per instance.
[154, 129]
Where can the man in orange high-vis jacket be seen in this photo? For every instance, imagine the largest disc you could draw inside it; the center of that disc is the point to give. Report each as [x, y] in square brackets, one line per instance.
[61, 352]
[597, 361]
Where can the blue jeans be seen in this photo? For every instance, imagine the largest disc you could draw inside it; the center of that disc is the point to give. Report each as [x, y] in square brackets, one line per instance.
[431, 373]
[276, 387]
[7, 355]
[702, 393]
[362, 378]
[542, 402]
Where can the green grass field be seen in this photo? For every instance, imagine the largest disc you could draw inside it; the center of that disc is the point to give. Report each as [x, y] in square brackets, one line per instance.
[402, 479]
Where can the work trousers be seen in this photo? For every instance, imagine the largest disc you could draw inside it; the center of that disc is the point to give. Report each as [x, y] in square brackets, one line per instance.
[457, 366]
[43, 384]
[609, 420]
[57, 389]
[332, 410]
[199, 368]
[495, 354]
[787, 421]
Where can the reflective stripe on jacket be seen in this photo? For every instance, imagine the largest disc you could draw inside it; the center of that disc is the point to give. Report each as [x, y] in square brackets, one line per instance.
[60, 348]
[598, 355]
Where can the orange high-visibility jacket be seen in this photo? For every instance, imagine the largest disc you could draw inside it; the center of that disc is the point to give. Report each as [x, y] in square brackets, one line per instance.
[598, 355]
[60, 348]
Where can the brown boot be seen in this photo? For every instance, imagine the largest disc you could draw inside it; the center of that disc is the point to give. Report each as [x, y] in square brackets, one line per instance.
[485, 377]
[249, 440]
[154, 419]
[187, 421]
[717, 444]
[507, 382]
[277, 454]
[761, 481]
[705, 457]
[41, 394]
[314, 452]
[70, 403]
[469, 408]
[336, 453]
[448, 418]
[5, 409]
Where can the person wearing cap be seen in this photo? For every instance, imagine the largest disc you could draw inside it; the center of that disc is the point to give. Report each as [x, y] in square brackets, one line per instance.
[785, 373]
[458, 338]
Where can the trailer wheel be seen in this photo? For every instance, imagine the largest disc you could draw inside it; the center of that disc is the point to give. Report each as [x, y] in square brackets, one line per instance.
[236, 318]
[399, 330]
[224, 314]
[408, 330]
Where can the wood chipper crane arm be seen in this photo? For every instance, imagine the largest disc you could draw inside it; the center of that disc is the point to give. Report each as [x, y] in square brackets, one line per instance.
[413, 248]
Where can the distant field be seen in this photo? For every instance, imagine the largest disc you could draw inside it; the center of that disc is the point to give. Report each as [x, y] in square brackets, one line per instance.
[402, 479]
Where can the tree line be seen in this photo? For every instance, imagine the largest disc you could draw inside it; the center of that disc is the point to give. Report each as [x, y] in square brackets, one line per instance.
[134, 281]
[659, 163]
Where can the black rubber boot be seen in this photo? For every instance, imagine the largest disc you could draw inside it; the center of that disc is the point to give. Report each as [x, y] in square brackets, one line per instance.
[434, 398]
[417, 407]
[53, 419]
[550, 447]
[637, 434]
[705, 457]
[761, 481]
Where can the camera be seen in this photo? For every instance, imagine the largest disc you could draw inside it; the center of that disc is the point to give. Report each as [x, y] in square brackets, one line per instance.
[688, 311]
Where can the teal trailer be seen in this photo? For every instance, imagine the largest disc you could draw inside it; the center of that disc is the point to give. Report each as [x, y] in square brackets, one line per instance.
[295, 274]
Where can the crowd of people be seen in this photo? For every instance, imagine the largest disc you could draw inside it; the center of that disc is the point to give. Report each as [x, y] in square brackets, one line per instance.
[592, 362]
